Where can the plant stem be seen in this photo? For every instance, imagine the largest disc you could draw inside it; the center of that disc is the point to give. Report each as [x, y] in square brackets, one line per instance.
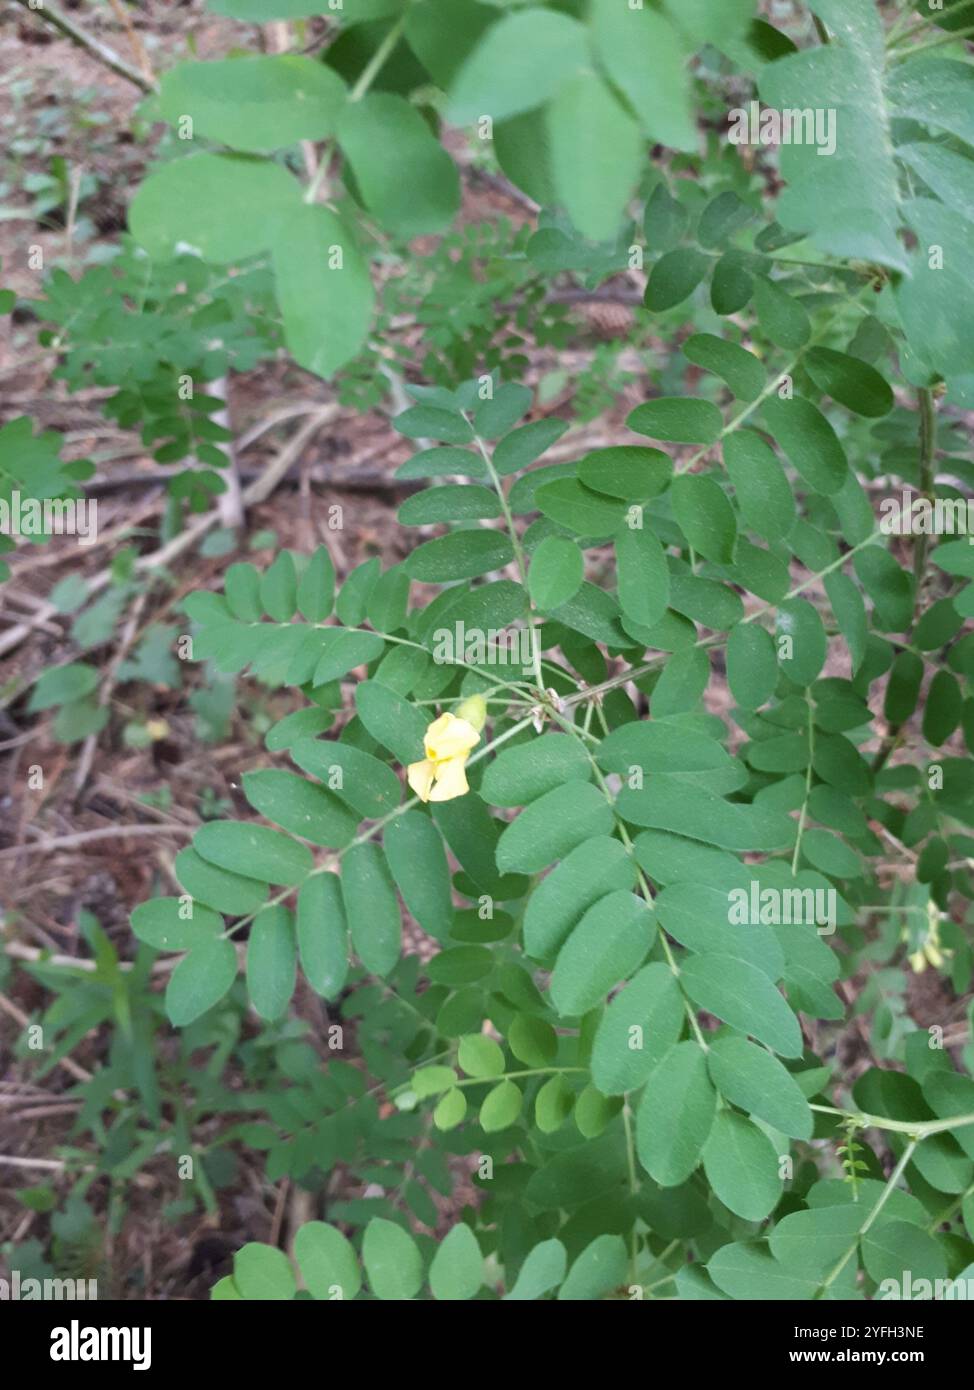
[928, 457]
[919, 1129]
[951, 37]
[769, 390]
[641, 878]
[521, 691]
[519, 556]
[517, 1075]
[894, 1178]
[928, 461]
[803, 814]
[378, 60]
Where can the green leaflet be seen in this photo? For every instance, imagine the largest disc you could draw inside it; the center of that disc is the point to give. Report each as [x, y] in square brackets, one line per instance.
[701, 918]
[392, 152]
[591, 870]
[393, 1265]
[600, 1268]
[742, 1166]
[452, 502]
[802, 642]
[646, 59]
[755, 1080]
[271, 961]
[761, 489]
[522, 774]
[373, 913]
[855, 384]
[752, 671]
[543, 1269]
[746, 1270]
[551, 826]
[322, 933]
[640, 1024]
[678, 420]
[418, 863]
[200, 980]
[849, 200]
[643, 575]
[809, 442]
[675, 1115]
[300, 807]
[606, 946]
[170, 924]
[781, 316]
[253, 851]
[227, 207]
[216, 887]
[585, 118]
[461, 555]
[743, 996]
[705, 515]
[666, 802]
[254, 103]
[263, 1272]
[573, 505]
[521, 61]
[741, 370]
[457, 1270]
[391, 720]
[674, 277]
[369, 786]
[556, 572]
[323, 288]
[633, 473]
[328, 1261]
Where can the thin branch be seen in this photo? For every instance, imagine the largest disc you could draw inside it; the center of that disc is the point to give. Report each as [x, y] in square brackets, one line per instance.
[105, 55]
[108, 832]
[138, 47]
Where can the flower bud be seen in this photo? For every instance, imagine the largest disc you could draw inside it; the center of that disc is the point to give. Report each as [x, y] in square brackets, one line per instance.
[474, 711]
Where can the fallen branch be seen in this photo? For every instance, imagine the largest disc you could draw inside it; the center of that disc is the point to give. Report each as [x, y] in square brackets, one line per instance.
[108, 832]
[258, 491]
[105, 55]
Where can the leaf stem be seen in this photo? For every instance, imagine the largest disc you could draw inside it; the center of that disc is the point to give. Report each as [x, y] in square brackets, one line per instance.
[378, 60]
[919, 1129]
[803, 814]
[884, 1196]
[955, 34]
[519, 556]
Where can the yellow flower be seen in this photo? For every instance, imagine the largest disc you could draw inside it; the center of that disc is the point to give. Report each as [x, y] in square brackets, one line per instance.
[930, 946]
[448, 742]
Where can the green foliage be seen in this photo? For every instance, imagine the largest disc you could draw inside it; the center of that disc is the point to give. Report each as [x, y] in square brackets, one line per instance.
[158, 333]
[638, 902]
